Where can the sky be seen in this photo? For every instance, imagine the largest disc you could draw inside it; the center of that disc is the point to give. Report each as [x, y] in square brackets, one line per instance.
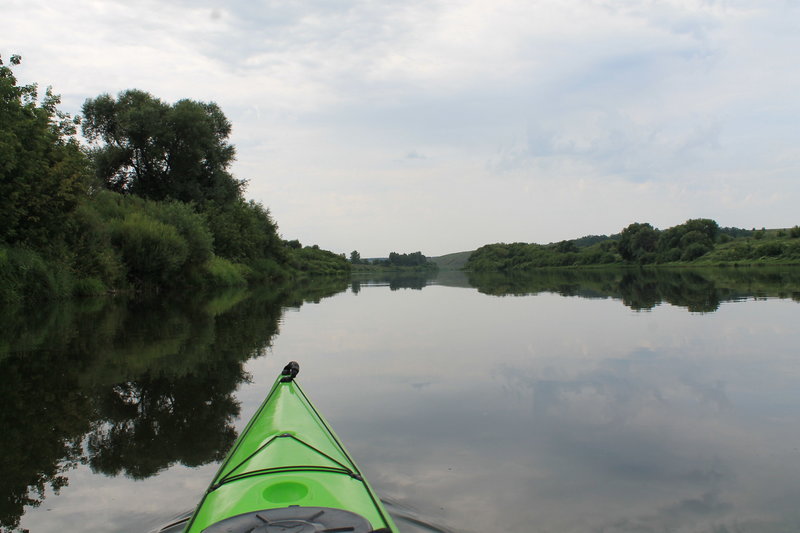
[441, 126]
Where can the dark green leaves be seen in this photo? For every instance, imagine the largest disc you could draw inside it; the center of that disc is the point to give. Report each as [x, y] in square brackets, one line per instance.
[43, 171]
[147, 147]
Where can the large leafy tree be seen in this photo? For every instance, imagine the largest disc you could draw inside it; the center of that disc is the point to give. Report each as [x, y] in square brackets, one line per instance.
[637, 243]
[147, 147]
[43, 171]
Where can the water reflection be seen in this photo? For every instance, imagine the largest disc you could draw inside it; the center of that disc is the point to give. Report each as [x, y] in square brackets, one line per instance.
[126, 386]
[553, 413]
[698, 290]
[543, 413]
[395, 280]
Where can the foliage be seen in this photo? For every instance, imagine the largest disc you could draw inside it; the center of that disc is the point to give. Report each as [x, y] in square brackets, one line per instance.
[637, 243]
[565, 247]
[25, 275]
[244, 231]
[312, 260]
[191, 227]
[589, 240]
[43, 171]
[735, 232]
[224, 273]
[694, 250]
[152, 250]
[170, 213]
[121, 239]
[518, 257]
[695, 241]
[147, 147]
[414, 260]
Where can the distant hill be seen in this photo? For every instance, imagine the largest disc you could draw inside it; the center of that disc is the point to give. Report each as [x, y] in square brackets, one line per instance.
[455, 261]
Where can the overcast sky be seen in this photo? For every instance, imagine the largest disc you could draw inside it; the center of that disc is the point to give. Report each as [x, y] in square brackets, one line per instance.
[441, 126]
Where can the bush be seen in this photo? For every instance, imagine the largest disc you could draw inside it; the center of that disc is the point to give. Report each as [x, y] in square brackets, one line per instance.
[89, 287]
[314, 261]
[792, 250]
[694, 237]
[190, 225]
[152, 250]
[769, 249]
[24, 275]
[738, 251]
[244, 231]
[670, 255]
[94, 255]
[694, 250]
[222, 273]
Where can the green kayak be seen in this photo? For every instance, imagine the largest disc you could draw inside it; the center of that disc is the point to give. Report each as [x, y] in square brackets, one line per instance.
[288, 472]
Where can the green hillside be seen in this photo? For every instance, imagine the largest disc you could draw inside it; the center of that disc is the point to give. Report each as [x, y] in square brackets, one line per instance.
[455, 261]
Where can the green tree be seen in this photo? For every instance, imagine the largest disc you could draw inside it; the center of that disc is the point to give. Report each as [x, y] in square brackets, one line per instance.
[244, 231]
[147, 147]
[43, 172]
[706, 226]
[355, 257]
[415, 259]
[566, 247]
[638, 242]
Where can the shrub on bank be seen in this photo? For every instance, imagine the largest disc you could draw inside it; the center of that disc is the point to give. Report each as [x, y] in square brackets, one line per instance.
[312, 260]
[122, 238]
[220, 272]
[154, 252]
[25, 275]
[191, 226]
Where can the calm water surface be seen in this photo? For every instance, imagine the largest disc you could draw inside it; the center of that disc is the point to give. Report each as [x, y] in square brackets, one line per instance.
[600, 402]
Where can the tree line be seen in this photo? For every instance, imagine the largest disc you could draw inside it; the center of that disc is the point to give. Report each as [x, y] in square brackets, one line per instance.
[415, 260]
[696, 241]
[144, 197]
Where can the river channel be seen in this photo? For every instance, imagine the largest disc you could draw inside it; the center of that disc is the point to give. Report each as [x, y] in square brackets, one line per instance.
[599, 401]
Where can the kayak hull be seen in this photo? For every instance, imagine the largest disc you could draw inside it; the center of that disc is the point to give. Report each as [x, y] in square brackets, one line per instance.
[287, 458]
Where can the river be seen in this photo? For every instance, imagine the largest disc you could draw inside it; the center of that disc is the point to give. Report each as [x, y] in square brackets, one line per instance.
[568, 401]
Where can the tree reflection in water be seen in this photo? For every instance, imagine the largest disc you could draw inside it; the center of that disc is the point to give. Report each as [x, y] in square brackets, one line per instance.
[134, 386]
[698, 290]
[126, 386]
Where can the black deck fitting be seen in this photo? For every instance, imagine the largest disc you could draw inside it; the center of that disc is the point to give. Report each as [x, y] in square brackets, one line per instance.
[290, 372]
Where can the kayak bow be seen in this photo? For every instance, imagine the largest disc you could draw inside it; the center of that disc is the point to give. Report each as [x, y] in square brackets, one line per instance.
[288, 471]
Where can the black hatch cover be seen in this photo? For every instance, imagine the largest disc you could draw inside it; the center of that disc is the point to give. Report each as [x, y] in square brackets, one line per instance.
[293, 519]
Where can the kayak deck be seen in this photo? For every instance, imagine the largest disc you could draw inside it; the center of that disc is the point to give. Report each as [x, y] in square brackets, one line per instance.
[288, 460]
